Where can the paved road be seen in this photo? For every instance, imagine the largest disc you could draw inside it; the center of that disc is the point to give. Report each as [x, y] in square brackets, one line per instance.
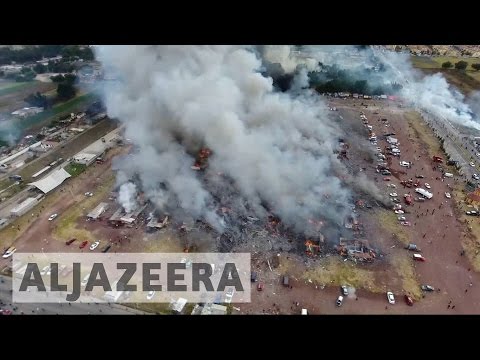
[59, 309]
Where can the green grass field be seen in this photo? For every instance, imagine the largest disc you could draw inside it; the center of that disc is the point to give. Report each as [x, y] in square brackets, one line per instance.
[11, 87]
[49, 115]
[75, 169]
[467, 81]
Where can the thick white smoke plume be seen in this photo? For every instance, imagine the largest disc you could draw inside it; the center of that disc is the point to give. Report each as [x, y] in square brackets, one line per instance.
[269, 150]
[127, 196]
[431, 93]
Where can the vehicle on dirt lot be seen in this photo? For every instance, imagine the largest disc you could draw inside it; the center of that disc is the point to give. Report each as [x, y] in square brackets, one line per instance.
[89, 194]
[420, 199]
[339, 301]
[52, 217]
[83, 244]
[45, 270]
[85, 280]
[413, 247]
[408, 300]
[106, 248]
[9, 252]
[476, 177]
[402, 218]
[94, 245]
[472, 164]
[419, 176]
[229, 295]
[386, 179]
[399, 212]
[447, 195]
[427, 185]
[427, 288]
[344, 290]
[260, 286]
[406, 223]
[69, 242]
[418, 257]
[393, 194]
[390, 297]
[396, 201]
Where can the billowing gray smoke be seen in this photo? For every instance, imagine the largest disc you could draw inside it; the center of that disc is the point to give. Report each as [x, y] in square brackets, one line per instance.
[431, 93]
[127, 196]
[270, 151]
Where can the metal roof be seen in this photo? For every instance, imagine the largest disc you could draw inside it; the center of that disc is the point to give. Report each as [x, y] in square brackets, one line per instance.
[50, 182]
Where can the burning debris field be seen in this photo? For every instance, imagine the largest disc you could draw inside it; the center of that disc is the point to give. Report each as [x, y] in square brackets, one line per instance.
[220, 150]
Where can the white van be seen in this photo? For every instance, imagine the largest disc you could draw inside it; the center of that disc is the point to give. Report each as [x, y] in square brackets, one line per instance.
[448, 175]
[339, 300]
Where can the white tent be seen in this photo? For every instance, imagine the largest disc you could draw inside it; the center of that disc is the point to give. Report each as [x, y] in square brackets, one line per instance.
[51, 181]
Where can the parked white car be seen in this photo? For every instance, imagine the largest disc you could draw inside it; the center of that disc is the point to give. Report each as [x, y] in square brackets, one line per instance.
[85, 280]
[150, 295]
[229, 295]
[404, 164]
[45, 270]
[10, 251]
[427, 185]
[447, 195]
[393, 194]
[390, 297]
[402, 218]
[472, 164]
[94, 245]
[399, 212]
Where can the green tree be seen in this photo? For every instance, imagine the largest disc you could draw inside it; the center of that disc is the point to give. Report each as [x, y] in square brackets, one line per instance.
[57, 78]
[65, 91]
[447, 65]
[40, 68]
[476, 66]
[461, 65]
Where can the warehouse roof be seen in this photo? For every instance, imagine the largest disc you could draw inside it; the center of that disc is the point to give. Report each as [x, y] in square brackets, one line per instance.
[50, 182]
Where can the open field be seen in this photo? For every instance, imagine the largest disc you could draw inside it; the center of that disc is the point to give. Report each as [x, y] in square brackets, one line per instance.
[66, 227]
[10, 87]
[47, 116]
[12, 94]
[467, 81]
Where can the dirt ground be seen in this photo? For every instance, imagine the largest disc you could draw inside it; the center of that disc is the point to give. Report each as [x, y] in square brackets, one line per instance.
[314, 283]
[439, 235]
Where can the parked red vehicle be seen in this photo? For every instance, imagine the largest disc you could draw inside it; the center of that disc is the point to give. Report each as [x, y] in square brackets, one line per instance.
[260, 286]
[83, 244]
[386, 179]
[408, 300]
[69, 242]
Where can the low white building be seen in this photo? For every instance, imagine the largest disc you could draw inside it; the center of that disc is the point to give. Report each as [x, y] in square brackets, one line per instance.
[178, 306]
[214, 309]
[85, 158]
[27, 111]
[98, 211]
[24, 206]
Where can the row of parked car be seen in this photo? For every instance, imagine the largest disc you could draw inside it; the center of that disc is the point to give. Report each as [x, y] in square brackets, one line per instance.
[93, 246]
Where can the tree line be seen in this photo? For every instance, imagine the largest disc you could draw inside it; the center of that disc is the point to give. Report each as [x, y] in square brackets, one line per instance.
[460, 65]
